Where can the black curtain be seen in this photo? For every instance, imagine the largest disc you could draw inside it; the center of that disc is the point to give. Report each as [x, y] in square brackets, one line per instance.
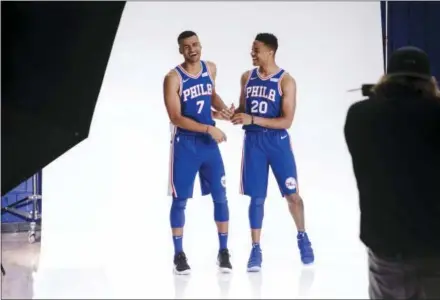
[415, 23]
[383, 15]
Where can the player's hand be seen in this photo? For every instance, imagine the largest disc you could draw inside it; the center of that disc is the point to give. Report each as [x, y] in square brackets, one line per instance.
[241, 118]
[227, 113]
[218, 135]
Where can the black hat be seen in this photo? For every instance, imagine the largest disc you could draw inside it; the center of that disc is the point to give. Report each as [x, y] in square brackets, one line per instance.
[409, 61]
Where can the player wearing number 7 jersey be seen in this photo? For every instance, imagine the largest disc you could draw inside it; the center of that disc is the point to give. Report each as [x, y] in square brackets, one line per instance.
[189, 93]
[267, 106]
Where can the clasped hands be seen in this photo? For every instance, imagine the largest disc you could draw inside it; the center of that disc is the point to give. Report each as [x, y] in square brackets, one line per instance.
[235, 118]
[228, 114]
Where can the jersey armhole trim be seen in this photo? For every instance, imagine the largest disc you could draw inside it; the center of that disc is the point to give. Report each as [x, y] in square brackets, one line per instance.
[181, 82]
[208, 69]
[248, 79]
[245, 87]
[280, 89]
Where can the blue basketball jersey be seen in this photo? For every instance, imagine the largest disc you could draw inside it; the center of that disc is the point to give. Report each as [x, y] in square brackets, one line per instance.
[263, 97]
[194, 152]
[195, 96]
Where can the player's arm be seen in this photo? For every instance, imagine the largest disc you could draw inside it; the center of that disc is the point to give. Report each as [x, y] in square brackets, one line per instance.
[216, 101]
[244, 78]
[288, 87]
[171, 87]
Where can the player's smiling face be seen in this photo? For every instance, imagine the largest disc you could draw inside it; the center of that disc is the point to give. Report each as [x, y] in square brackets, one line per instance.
[191, 49]
[260, 53]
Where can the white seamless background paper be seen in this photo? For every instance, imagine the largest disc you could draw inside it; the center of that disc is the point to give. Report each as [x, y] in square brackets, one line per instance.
[105, 230]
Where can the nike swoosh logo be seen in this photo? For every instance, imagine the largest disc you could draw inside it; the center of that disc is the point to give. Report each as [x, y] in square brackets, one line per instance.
[183, 81]
[283, 137]
[253, 78]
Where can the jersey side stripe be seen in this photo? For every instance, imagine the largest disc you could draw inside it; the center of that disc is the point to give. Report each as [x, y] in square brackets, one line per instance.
[171, 188]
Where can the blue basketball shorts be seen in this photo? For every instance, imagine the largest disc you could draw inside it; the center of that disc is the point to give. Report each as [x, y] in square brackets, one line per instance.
[264, 149]
[192, 154]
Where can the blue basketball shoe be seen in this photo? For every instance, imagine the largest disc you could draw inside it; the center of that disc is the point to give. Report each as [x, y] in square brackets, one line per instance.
[305, 248]
[255, 259]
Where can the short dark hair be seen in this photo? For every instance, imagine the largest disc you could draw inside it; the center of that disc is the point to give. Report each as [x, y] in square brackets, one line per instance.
[268, 39]
[185, 34]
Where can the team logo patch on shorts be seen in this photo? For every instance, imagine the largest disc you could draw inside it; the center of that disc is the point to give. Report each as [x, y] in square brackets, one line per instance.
[291, 183]
[223, 181]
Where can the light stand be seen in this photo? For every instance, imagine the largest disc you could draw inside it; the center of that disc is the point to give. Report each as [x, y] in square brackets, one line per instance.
[33, 216]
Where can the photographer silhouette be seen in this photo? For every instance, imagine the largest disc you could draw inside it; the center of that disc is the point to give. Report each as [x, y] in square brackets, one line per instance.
[394, 140]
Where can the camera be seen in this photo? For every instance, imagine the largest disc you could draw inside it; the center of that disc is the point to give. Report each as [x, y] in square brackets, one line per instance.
[366, 90]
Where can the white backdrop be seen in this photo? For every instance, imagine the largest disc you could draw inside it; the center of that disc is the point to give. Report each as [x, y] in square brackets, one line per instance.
[105, 209]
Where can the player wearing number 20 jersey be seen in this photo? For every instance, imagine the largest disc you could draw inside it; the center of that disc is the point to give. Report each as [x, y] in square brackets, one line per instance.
[266, 147]
[263, 97]
[267, 105]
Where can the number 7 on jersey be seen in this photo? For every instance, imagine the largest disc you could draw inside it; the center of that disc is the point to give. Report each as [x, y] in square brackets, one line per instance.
[200, 104]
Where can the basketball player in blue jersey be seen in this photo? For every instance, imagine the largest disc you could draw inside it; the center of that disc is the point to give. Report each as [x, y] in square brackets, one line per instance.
[189, 92]
[267, 106]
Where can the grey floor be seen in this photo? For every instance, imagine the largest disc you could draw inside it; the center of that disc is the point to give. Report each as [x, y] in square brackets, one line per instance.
[20, 260]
